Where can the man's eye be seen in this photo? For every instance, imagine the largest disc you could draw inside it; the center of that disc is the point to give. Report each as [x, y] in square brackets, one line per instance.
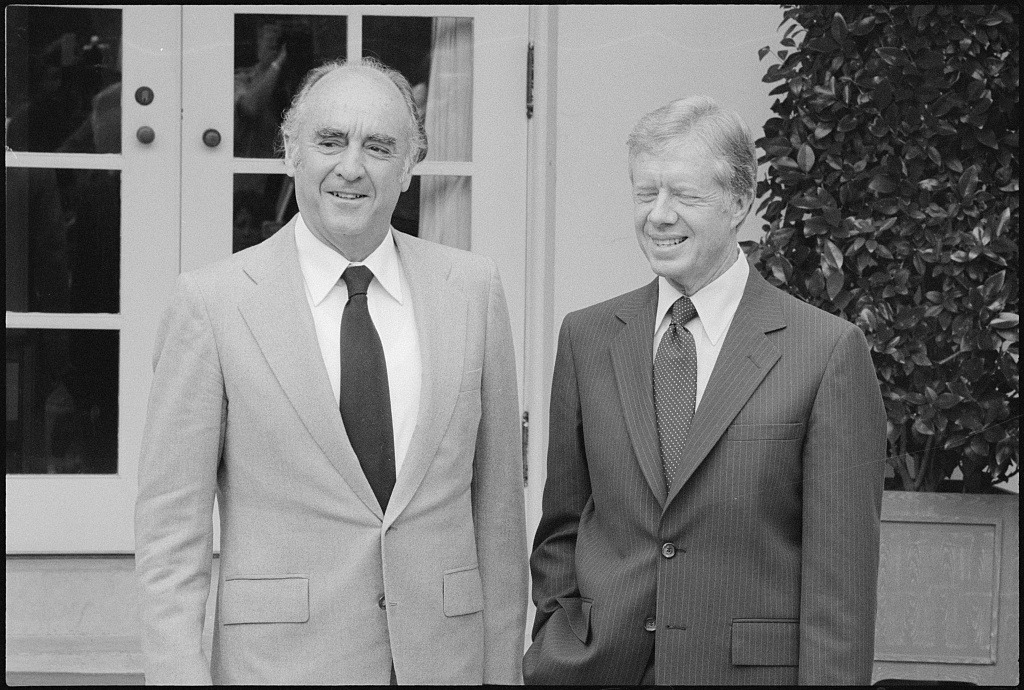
[380, 150]
[646, 196]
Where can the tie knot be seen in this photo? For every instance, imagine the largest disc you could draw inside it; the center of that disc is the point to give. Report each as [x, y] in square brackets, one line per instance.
[357, 278]
[683, 311]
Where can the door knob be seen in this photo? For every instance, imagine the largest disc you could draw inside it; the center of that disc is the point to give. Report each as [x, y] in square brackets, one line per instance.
[144, 95]
[145, 134]
[211, 138]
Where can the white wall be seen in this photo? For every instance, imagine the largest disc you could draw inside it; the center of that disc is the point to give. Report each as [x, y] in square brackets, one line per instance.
[616, 63]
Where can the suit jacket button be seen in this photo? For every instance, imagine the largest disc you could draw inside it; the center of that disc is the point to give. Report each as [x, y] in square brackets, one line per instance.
[382, 602]
[650, 625]
[668, 550]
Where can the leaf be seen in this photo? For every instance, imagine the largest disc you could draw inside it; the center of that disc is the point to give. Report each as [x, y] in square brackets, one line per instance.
[882, 185]
[889, 55]
[806, 202]
[968, 183]
[994, 284]
[816, 283]
[805, 157]
[1005, 320]
[816, 225]
[924, 426]
[834, 284]
[862, 27]
[822, 130]
[832, 254]
[763, 51]
[955, 441]
[839, 27]
[988, 138]
[847, 124]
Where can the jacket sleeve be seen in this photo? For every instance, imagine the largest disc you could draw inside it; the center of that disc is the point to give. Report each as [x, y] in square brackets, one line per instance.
[566, 491]
[843, 466]
[177, 483]
[498, 501]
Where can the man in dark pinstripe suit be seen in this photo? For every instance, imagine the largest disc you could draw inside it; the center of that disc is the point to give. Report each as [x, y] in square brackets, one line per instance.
[716, 526]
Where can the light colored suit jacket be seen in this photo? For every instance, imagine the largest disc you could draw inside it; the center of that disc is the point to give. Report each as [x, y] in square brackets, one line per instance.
[759, 564]
[317, 584]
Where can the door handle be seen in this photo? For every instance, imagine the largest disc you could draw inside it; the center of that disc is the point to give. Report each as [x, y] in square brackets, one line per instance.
[145, 134]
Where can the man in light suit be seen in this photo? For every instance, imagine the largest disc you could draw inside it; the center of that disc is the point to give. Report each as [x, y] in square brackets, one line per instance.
[348, 393]
[711, 512]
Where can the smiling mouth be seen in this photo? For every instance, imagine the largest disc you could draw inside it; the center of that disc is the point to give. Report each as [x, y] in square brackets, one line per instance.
[668, 241]
[347, 196]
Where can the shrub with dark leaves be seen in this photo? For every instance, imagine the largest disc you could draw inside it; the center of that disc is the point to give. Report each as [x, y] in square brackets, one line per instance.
[891, 200]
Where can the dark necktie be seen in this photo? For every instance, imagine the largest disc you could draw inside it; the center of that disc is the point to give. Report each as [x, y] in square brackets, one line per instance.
[675, 387]
[365, 399]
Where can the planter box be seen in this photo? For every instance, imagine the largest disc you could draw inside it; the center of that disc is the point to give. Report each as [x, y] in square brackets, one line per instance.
[948, 588]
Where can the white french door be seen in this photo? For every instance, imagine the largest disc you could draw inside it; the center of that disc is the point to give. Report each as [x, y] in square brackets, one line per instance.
[92, 254]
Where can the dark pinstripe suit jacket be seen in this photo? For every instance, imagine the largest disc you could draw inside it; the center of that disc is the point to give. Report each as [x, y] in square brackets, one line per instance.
[773, 514]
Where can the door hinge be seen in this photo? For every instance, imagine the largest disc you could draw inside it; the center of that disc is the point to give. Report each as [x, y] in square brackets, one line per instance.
[529, 81]
[526, 443]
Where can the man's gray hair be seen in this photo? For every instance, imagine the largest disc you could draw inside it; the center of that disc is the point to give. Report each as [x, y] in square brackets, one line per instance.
[418, 134]
[723, 131]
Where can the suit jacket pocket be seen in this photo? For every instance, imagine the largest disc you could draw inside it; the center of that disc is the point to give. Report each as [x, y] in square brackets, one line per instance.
[765, 432]
[577, 611]
[265, 600]
[463, 593]
[765, 642]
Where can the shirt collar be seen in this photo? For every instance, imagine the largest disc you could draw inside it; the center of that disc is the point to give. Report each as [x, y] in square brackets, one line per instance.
[715, 303]
[322, 266]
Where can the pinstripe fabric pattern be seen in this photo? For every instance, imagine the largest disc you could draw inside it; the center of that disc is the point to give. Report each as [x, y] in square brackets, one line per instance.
[773, 513]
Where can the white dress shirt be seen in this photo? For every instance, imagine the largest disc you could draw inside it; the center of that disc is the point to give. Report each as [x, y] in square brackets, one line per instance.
[716, 304]
[390, 305]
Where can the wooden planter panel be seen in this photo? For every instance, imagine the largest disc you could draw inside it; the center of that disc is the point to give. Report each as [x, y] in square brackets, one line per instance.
[948, 588]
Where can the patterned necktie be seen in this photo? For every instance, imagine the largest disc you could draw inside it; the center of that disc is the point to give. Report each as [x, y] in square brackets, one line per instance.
[675, 387]
[365, 398]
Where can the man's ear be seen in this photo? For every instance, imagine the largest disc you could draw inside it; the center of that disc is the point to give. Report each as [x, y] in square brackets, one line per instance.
[407, 175]
[742, 209]
[289, 158]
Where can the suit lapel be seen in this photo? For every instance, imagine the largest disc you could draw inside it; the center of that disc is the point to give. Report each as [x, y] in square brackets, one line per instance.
[441, 313]
[278, 317]
[632, 360]
[746, 358]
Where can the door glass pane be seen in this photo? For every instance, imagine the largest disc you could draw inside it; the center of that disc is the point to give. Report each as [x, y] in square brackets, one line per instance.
[272, 54]
[436, 56]
[61, 401]
[435, 207]
[63, 240]
[63, 79]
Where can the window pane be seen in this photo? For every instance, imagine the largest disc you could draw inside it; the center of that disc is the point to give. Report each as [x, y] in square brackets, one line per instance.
[63, 240]
[436, 207]
[445, 210]
[61, 401]
[436, 56]
[272, 54]
[63, 79]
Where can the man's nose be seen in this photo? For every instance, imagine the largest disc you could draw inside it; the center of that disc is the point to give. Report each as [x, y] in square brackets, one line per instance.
[662, 212]
[350, 164]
